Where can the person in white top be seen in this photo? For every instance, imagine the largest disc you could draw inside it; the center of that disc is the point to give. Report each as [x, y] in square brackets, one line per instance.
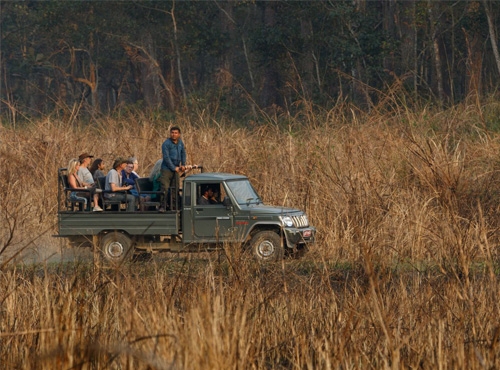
[83, 171]
[136, 165]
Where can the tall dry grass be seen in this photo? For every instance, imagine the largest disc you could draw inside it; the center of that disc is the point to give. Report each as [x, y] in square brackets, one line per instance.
[198, 315]
[404, 272]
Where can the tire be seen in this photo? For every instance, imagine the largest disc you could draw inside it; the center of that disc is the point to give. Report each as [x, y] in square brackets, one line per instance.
[266, 246]
[116, 247]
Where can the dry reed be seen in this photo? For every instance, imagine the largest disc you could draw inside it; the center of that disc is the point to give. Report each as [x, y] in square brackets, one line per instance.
[404, 273]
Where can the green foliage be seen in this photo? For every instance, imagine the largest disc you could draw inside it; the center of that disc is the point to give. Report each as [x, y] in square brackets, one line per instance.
[282, 53]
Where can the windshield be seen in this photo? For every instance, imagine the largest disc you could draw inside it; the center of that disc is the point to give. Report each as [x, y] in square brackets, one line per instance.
[244, 192]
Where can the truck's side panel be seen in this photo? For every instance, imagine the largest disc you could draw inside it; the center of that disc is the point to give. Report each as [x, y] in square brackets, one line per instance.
[143, 223]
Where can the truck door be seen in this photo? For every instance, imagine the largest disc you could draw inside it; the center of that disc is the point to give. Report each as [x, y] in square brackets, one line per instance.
[212, 220]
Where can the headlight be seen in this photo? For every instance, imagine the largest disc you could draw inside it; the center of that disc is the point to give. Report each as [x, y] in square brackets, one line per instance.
[287, 221]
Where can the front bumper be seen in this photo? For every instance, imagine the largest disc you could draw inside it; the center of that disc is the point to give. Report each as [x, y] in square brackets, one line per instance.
[295, 236]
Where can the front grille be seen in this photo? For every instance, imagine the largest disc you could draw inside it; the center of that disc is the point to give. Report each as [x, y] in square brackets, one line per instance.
[300, 221]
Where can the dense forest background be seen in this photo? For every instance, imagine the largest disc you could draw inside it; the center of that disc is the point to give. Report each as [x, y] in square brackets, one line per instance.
[240, 58]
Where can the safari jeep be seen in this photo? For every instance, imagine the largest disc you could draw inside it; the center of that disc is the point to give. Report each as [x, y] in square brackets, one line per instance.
[236, 218]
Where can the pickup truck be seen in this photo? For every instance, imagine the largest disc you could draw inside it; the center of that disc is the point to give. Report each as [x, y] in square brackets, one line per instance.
[239, 218]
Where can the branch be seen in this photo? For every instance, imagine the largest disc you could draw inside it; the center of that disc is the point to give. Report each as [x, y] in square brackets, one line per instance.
[137, 58]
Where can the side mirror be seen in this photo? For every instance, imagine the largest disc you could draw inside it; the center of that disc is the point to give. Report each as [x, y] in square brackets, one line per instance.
[227, 202]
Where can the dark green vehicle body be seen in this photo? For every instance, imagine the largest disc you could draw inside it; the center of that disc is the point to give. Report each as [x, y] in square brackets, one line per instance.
[239, 218]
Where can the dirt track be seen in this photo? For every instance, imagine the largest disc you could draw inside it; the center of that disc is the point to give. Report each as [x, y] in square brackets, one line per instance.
[47, 250]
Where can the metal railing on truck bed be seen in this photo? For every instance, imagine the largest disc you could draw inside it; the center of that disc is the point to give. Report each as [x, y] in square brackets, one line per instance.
[165, 203]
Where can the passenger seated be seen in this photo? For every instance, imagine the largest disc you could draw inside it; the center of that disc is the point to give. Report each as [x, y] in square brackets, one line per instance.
[154, 177]
[206, 195]
[83, 172]
[214, 199]
[97, 169]
[114, 184]
[129, 177]
[135, 162]
[76, 183]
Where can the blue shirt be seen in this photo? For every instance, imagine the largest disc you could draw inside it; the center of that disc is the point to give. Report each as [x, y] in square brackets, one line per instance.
[130, 180]
[174, 155]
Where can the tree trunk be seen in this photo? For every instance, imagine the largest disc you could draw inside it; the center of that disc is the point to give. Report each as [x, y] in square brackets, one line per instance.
[388, 8]
[270, 96]
[149, 76]
[89, 79]
[437, 53]
[307, 60]
[134, 53]
[493, 36]
[474, 62]
[177, 52]
[225, 73]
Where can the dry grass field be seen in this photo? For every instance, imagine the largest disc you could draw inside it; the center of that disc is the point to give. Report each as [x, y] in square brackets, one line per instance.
[404, 274]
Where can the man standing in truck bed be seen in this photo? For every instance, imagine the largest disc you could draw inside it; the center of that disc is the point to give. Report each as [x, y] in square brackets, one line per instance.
[174, 159]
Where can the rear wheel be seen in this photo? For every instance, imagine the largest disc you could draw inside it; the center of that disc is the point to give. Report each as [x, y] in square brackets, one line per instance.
[266, 246]
[116, 247]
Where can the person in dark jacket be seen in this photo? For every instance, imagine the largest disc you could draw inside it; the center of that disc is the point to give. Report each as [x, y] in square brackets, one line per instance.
[206, 196]
[128, 177]
[174, 159]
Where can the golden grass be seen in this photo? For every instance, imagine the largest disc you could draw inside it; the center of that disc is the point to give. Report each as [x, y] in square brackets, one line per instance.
[404, 273]
[179, 316]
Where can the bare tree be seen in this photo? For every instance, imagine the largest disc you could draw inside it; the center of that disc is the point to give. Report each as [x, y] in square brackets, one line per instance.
[139, 54]
[493, 36]
[177, 53]
[436, 51]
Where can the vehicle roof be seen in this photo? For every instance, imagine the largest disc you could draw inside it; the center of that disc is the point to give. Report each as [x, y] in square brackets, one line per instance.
[215, 176]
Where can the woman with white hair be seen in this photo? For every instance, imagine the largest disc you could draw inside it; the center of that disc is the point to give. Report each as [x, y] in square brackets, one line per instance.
[154, 177]
[156, 170]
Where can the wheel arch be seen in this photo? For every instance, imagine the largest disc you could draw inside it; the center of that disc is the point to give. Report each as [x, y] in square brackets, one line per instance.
[257, 228]
[108, 231]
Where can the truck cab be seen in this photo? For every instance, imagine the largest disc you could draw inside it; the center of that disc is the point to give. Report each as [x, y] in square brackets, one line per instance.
[238, 215]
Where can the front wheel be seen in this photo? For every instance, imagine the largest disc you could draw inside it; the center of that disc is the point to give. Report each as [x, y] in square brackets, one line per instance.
[266, 246]
[116, 247]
